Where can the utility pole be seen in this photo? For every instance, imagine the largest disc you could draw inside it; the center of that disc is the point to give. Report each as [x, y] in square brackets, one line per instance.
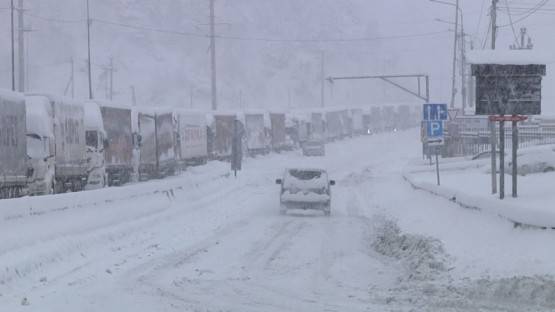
[453, 89]
[323, 80]
[133, 96]
[13, 44]
[191, 94]
[21, 47]
[463, 66]
[493, 23]
[111, 77]
[492, 123]
[89, 61]
[72, 78]
[213, 56]
[71, 82]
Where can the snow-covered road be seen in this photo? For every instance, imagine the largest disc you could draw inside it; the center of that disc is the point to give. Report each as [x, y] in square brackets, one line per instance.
[205, 241]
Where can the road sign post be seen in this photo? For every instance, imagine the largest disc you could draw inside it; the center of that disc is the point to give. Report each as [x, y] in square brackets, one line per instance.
[434, 116]
[506, 92]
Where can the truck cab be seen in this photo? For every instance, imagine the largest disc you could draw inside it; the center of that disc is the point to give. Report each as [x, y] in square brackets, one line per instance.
[95, 141]
[40, 146]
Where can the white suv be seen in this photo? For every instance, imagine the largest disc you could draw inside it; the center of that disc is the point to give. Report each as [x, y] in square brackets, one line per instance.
[305, 189]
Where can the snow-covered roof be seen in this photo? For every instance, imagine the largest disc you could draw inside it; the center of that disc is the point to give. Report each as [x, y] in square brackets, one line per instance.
[38, 116]
[93, 117]
[507, 57]
[105, 103]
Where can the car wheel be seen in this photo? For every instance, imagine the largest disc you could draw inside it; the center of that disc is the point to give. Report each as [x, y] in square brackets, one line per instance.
[549, 169]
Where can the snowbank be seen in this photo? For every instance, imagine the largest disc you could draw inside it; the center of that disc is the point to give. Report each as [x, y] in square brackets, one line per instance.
[468, 188]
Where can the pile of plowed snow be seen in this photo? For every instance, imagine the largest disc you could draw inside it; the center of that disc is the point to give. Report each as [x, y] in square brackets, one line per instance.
[423, 257]
[426, 284]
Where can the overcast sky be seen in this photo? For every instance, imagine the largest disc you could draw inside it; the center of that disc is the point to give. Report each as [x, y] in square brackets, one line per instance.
[254, 71]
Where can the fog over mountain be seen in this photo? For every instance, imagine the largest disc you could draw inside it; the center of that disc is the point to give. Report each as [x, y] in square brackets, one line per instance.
[268, 51]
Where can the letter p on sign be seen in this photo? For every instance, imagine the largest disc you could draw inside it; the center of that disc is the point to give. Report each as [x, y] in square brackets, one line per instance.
[435, 129]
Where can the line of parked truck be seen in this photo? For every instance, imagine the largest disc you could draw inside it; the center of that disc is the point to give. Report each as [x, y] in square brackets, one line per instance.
[51, 144]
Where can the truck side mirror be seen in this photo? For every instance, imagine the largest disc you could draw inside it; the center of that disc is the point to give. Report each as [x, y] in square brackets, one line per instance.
[279, 181]
[106, 143]
[332, 182]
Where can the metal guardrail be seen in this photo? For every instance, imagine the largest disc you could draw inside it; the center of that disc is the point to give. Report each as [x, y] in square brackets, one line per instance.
[469, 142]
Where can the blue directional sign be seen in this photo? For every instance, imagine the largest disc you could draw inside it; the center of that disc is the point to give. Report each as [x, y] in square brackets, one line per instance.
[434, 112]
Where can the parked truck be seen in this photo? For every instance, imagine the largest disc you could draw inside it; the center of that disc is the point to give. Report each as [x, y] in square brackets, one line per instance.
[377, 123]
[346, 123]
[222, 135]
[256, 137]
[317, 126]
[40, 146]
[95, 141]
[278, 133]
[357, 122]
[14, 170]
[118, 152]
[157, 150]
[403, 117]
[192, 141]
[69, 149]
[334, 125]
[165, 133]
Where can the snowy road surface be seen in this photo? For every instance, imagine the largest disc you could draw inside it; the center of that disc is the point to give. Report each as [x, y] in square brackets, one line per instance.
[205, 241]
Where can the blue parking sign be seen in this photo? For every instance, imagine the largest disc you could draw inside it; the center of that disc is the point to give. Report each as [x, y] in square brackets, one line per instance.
[433, 112]
[435, 129]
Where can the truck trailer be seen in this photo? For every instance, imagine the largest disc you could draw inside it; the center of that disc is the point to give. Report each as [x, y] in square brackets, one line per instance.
[118, 152]
[14, 170]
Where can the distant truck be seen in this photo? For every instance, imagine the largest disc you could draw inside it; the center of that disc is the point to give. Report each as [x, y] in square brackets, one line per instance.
[389, 115]
[222, 135]
[95, 141]
[346, 123]
[192, 145]
[377, 123]
[14, 170]
[334, 124]
[317, 126]
[157, 152]
[403, 117]
[255, 131]
[357, 121]
[118, 152]
[278, 133]
[67, 118]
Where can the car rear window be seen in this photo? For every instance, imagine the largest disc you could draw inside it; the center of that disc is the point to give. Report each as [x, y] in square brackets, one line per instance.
[305, 174]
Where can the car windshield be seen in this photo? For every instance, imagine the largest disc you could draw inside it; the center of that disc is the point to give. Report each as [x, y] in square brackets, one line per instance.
[277, 155]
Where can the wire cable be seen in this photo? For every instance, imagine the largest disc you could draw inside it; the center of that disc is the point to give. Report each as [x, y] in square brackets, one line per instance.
[540, 4]
[512, 24]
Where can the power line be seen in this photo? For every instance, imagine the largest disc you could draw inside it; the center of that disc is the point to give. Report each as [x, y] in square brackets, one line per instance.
[55, 20]
[239, 38]
[540, 4]
[511, 22]
[481, 16]
[152, 29]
